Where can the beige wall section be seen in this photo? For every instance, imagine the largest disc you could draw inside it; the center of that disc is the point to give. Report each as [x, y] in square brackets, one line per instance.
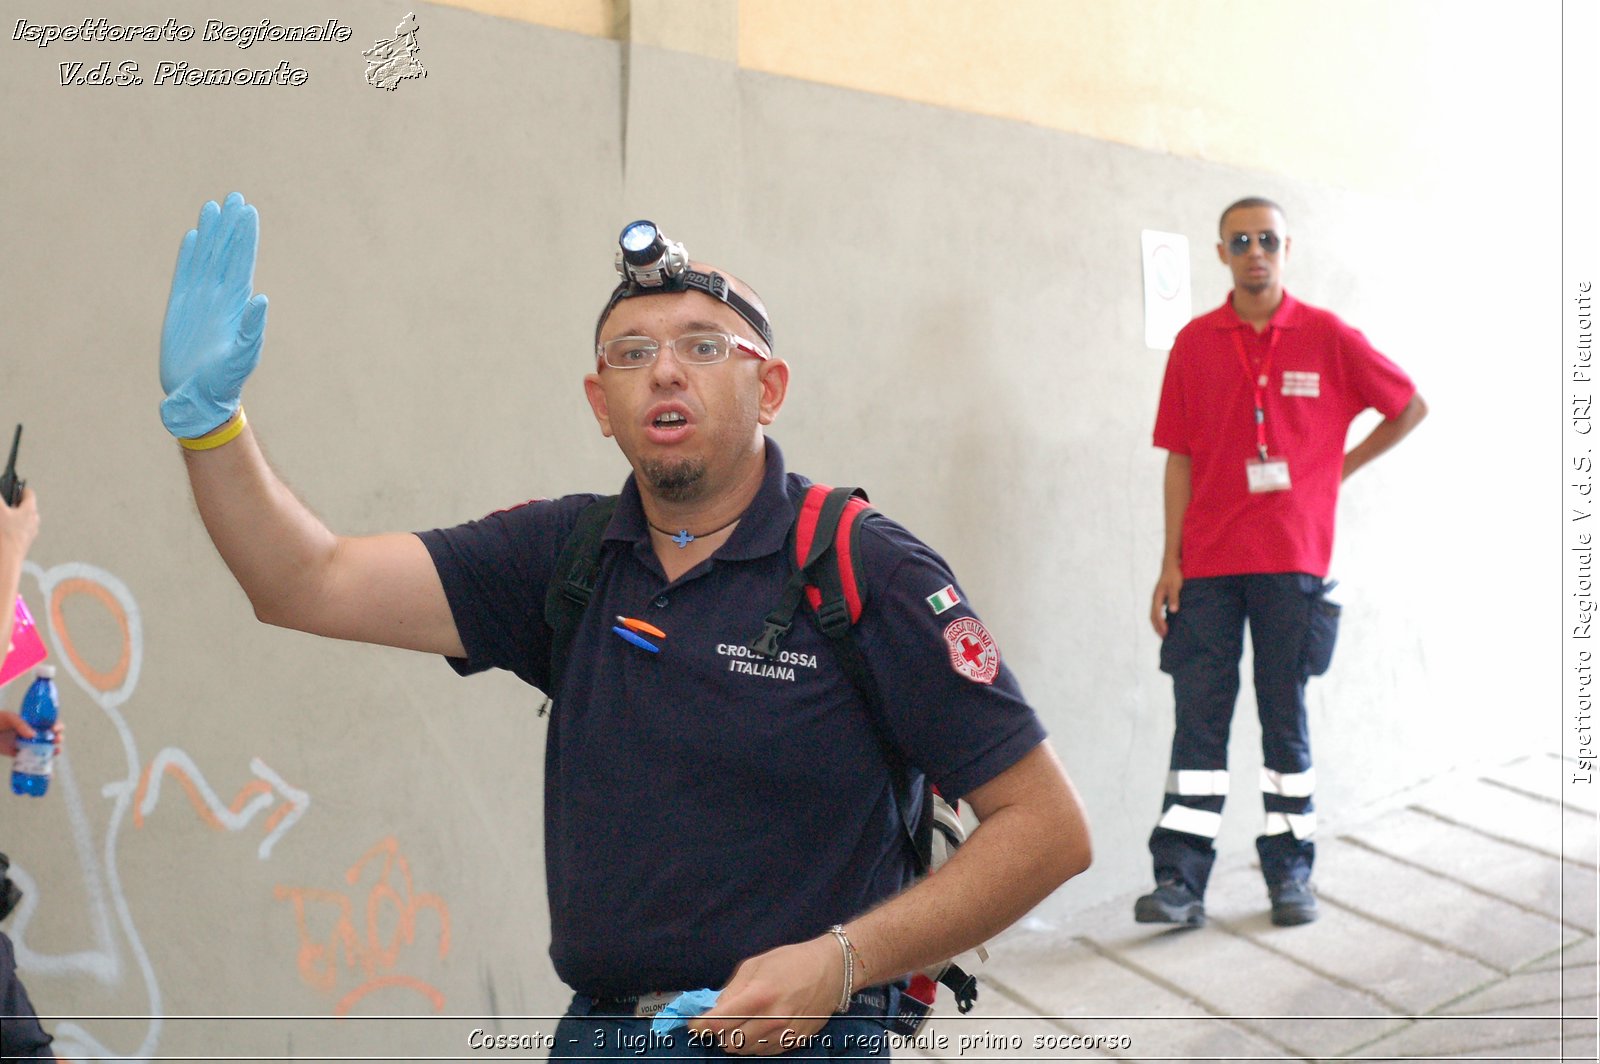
[701, 27]
[1237, 89]
[597, 18]
[704, 27]
[1096, 68]
[1228, 81]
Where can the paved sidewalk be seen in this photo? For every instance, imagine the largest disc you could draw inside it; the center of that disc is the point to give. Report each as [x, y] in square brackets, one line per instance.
[1456, 923]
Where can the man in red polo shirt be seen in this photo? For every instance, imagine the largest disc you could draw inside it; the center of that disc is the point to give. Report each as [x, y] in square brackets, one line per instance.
[1258, 398]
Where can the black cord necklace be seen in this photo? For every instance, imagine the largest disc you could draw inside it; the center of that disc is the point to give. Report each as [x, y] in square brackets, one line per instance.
[683, 537]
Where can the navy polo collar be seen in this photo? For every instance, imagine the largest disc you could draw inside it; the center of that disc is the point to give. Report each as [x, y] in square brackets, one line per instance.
[763, 529]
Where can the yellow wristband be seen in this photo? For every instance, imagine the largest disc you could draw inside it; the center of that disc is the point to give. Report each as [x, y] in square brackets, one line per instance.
[206, 443]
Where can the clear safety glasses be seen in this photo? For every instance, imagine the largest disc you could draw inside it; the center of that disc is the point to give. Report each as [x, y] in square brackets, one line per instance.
[695, 349]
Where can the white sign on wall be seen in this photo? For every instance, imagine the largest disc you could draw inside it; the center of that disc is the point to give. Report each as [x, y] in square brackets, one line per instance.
[1167, 296]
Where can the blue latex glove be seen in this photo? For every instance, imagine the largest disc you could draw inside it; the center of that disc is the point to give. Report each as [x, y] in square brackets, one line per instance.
[211, 339]
[684, 1007]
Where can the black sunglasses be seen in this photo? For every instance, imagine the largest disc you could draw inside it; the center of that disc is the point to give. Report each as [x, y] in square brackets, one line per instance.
[1239, 243]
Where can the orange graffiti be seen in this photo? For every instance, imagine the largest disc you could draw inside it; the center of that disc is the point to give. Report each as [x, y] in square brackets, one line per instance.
[101, 681]
[348, 1002]
[369, 958]
[277, 814]
[247, 792]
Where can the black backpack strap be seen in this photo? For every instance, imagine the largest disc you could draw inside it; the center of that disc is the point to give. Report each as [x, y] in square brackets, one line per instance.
[913, 793]
[837, 610]
[962, 985]
[572, 584]
[810, 541]
[828, 576]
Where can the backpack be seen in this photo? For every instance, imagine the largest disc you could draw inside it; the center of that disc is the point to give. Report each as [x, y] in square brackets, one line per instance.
[822, 550]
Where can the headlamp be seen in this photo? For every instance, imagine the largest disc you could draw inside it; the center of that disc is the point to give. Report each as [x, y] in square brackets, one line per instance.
[647, 258]
[650, 263]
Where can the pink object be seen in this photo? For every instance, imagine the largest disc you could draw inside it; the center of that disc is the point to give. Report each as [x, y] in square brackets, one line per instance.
[26, 649]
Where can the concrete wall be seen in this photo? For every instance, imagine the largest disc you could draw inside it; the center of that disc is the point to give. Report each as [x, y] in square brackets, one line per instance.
[1390, 96]
[255, 822]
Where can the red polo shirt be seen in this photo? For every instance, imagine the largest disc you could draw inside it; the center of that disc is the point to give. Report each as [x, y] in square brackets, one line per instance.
[1321, 373]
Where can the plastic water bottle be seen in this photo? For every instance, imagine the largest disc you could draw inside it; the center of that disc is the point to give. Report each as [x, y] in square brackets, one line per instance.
[30, 771]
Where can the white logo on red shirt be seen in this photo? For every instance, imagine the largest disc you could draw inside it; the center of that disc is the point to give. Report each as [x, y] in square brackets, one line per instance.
[1307, 384]
[973, 651]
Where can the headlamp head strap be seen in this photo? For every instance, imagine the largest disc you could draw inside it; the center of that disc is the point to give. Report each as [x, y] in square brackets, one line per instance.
[650, 263]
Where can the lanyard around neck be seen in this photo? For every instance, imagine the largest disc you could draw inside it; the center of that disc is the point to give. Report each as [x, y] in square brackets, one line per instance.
[1258, 378]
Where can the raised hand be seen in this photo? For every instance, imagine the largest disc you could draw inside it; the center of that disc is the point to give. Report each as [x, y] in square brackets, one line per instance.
[211, 339]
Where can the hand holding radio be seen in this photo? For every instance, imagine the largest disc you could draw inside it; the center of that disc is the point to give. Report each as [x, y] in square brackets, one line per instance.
[19, 514]
[11, 485]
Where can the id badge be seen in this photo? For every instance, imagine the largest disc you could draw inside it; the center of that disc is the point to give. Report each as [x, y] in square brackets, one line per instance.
[1269, 475]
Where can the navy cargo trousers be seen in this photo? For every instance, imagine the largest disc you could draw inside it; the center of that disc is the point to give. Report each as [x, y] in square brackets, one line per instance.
[1292, 630]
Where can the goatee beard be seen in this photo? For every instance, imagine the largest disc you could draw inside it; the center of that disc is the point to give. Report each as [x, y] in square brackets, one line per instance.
[675, 481]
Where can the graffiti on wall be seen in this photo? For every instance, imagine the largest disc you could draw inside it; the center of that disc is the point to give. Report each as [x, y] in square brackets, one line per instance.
[351, 945]
[347, 958]
[266, 791]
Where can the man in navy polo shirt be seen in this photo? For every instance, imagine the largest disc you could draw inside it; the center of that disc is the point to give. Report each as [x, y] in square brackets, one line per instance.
[713, 819]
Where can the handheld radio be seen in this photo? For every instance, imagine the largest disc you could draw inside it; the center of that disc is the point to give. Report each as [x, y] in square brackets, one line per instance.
[11, 485]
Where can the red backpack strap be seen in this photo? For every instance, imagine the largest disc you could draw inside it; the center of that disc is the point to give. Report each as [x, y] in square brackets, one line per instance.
[824, 568]
[841, 510]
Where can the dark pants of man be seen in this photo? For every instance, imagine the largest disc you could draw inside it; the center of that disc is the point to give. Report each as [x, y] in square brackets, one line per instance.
[608, 1028]
[1292, 628]
[21, 1037]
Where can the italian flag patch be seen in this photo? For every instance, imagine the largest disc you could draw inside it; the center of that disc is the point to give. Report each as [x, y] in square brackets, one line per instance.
[943, 599]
